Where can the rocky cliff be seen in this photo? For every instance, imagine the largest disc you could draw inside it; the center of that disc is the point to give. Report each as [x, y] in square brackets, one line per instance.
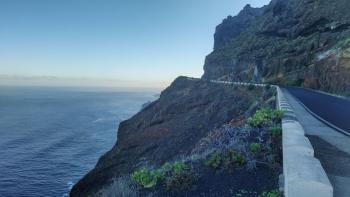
[231, 27]
[173, 127]
[290, 42]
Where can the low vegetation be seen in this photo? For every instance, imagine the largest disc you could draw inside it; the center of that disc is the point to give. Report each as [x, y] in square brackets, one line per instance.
[255, 147]
[120, 187]
[177, 176]
[214, 160]
[233, 150]
[239, 146]
[227, 160]
[147, 178]
[245, 193]
[275, 131]
[274, 193]
[180, 181]
[265, 117]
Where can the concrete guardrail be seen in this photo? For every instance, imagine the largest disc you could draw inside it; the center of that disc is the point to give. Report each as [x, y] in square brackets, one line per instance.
[303, 174]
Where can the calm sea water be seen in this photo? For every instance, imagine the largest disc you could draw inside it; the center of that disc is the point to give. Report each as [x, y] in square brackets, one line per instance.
[51, 137]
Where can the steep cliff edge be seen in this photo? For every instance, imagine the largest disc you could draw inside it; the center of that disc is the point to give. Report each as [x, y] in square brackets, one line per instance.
[292, 42]
[172, 128]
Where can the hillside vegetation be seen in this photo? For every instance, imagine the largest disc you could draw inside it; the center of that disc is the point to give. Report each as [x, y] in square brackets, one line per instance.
[195, 135]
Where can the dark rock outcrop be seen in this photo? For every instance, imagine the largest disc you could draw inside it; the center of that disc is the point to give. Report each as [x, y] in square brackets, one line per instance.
[331, 71]
[233, 26]
[283, 43]
[169, 128]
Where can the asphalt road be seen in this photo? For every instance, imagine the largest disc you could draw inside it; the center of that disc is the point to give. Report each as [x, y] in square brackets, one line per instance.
[334, 110]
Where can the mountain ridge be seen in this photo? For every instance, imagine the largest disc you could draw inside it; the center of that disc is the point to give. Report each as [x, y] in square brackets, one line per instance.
[284, 44]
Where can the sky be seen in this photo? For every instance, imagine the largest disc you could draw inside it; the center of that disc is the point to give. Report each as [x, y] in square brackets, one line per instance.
[122, 43]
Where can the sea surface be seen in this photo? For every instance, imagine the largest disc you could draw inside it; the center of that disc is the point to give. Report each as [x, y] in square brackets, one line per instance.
[51, 137]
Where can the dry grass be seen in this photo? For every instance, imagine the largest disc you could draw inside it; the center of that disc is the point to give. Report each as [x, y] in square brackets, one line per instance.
[121, 187]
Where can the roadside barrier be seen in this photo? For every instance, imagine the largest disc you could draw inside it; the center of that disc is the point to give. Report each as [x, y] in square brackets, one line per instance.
[303, 174]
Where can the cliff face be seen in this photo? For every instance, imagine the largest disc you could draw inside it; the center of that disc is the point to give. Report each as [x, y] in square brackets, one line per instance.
[171, 127]
[231, 27]
[330, 71]
[290, 42]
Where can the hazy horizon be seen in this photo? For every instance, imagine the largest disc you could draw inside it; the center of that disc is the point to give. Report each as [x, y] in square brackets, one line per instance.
[53, 81]
[108, 43]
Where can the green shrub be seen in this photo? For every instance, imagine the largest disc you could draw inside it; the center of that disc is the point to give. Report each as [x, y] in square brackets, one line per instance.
[214, 160]
[255, 147]
[275, 131]
[229, 160]
[179, 167]
[264, 117]
[260, 118]
[176, 176]
[239, 160]
[274, 193]
[277, 115]
[147, 178]
[166, 167]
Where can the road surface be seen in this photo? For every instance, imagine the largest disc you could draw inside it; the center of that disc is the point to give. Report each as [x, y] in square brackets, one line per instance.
[331, 147]
[334, 110]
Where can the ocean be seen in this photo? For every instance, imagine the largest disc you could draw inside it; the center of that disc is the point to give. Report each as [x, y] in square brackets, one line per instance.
[51, 137]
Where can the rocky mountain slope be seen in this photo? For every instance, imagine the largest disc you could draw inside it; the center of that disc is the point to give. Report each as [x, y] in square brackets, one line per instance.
[173, 127]
[290, 42]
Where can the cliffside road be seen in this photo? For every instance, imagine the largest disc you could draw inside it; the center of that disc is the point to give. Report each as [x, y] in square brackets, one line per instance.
[331, 147]
[333, 109]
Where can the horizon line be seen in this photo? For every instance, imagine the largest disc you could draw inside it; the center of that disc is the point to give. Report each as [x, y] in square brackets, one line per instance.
[93, 82]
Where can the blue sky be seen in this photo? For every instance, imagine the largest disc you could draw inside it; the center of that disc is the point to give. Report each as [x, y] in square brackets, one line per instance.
[108, 42]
